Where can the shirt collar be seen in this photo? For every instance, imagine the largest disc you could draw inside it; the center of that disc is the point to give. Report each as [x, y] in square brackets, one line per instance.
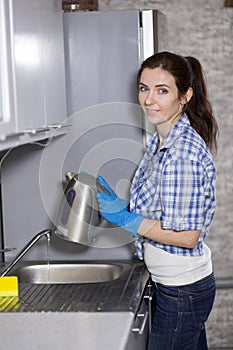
[181, 124]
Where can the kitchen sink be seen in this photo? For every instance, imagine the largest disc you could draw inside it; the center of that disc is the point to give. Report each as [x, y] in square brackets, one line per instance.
[75, 273]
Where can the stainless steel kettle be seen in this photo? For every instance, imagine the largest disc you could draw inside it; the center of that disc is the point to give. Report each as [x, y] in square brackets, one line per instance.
[78, 218]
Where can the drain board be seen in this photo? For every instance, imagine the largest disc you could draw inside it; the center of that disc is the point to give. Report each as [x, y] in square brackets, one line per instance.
[118, 295]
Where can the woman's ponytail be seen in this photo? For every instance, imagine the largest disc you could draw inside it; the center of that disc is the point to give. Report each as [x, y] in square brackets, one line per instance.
[199, 109]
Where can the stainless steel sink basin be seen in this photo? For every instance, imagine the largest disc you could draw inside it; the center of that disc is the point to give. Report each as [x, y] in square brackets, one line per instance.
[56, 273]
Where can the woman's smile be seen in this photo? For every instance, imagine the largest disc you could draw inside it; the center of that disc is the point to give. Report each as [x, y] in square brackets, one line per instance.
[151, 111]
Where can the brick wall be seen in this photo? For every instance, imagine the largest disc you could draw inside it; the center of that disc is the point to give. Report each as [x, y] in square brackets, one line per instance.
[203, 28]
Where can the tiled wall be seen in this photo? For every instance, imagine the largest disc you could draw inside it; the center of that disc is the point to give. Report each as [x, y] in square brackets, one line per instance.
[204, 28]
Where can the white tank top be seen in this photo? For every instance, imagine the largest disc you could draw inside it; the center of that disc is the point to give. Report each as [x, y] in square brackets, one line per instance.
[176, 270]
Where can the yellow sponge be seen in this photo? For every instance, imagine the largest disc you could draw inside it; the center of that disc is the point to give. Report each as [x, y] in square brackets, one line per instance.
[8, 286]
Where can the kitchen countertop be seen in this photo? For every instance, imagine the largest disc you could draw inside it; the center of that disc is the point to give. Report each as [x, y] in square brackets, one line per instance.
[121, 294]
[92, 316]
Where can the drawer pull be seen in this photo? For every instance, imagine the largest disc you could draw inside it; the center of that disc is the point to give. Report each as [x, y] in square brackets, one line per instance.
[143, 318]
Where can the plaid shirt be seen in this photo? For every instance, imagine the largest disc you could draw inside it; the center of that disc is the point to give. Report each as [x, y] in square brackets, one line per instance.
[176, 185]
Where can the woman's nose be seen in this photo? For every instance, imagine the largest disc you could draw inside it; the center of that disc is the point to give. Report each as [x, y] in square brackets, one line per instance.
[150, 99]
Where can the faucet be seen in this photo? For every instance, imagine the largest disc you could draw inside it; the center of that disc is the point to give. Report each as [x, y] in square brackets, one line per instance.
[28, 246]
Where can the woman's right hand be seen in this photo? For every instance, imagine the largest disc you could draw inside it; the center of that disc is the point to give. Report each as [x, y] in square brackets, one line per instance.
[110, 202]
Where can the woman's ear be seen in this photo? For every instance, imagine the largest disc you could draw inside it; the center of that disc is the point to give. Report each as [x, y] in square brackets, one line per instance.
[187, 97]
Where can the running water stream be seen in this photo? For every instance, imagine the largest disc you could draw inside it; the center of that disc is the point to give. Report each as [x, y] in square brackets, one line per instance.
[49, 256]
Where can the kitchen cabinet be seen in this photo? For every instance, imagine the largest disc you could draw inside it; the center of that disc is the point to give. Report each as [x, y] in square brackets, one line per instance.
[138, 337]
[32, 75]
[7, 115]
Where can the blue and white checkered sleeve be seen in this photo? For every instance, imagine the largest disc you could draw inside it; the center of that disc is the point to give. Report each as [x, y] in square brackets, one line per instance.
[182, 195]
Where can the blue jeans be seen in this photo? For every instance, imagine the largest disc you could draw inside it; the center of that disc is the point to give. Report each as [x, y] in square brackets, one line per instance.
[180, 314]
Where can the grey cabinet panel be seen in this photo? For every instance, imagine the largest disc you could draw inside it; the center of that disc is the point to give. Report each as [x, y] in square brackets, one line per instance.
[102, 57]
[39, 63]
[7, 103]
[102, 51]
[36, 70]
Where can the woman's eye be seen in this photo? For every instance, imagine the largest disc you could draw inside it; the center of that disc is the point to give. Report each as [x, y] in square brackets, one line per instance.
[143, 89]
[163, 91]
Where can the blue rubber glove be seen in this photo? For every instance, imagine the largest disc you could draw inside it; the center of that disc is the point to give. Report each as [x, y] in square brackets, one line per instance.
[116, 210]
[113, 203]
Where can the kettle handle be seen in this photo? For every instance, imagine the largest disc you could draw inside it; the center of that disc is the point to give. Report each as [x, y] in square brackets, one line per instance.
[69, 176]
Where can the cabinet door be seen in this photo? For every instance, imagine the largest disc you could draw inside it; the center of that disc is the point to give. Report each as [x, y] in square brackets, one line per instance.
[39, 63]
[7, 115]
[32, 73]
[54, 68]
[138, 338]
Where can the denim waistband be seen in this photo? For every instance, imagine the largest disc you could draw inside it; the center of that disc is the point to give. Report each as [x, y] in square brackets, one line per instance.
[196, 287]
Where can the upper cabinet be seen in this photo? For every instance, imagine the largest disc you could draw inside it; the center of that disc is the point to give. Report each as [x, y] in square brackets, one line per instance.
[7, 107]
[32, 71]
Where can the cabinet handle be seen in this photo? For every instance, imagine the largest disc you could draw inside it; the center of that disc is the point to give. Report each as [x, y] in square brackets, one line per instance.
[36, 130]
[144, 318]
[59, 126]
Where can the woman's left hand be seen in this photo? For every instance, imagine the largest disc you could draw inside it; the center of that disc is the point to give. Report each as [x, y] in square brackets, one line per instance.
[116, 210]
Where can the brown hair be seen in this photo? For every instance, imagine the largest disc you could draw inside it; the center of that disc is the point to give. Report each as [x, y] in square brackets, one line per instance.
[187, 72]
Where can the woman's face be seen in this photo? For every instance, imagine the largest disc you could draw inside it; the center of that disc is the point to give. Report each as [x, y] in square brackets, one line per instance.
[158, 96]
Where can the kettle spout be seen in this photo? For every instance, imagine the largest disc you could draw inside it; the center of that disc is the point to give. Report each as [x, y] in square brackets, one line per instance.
[69, 176]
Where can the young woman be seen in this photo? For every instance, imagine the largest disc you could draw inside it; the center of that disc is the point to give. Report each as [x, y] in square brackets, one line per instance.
[172, 199]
